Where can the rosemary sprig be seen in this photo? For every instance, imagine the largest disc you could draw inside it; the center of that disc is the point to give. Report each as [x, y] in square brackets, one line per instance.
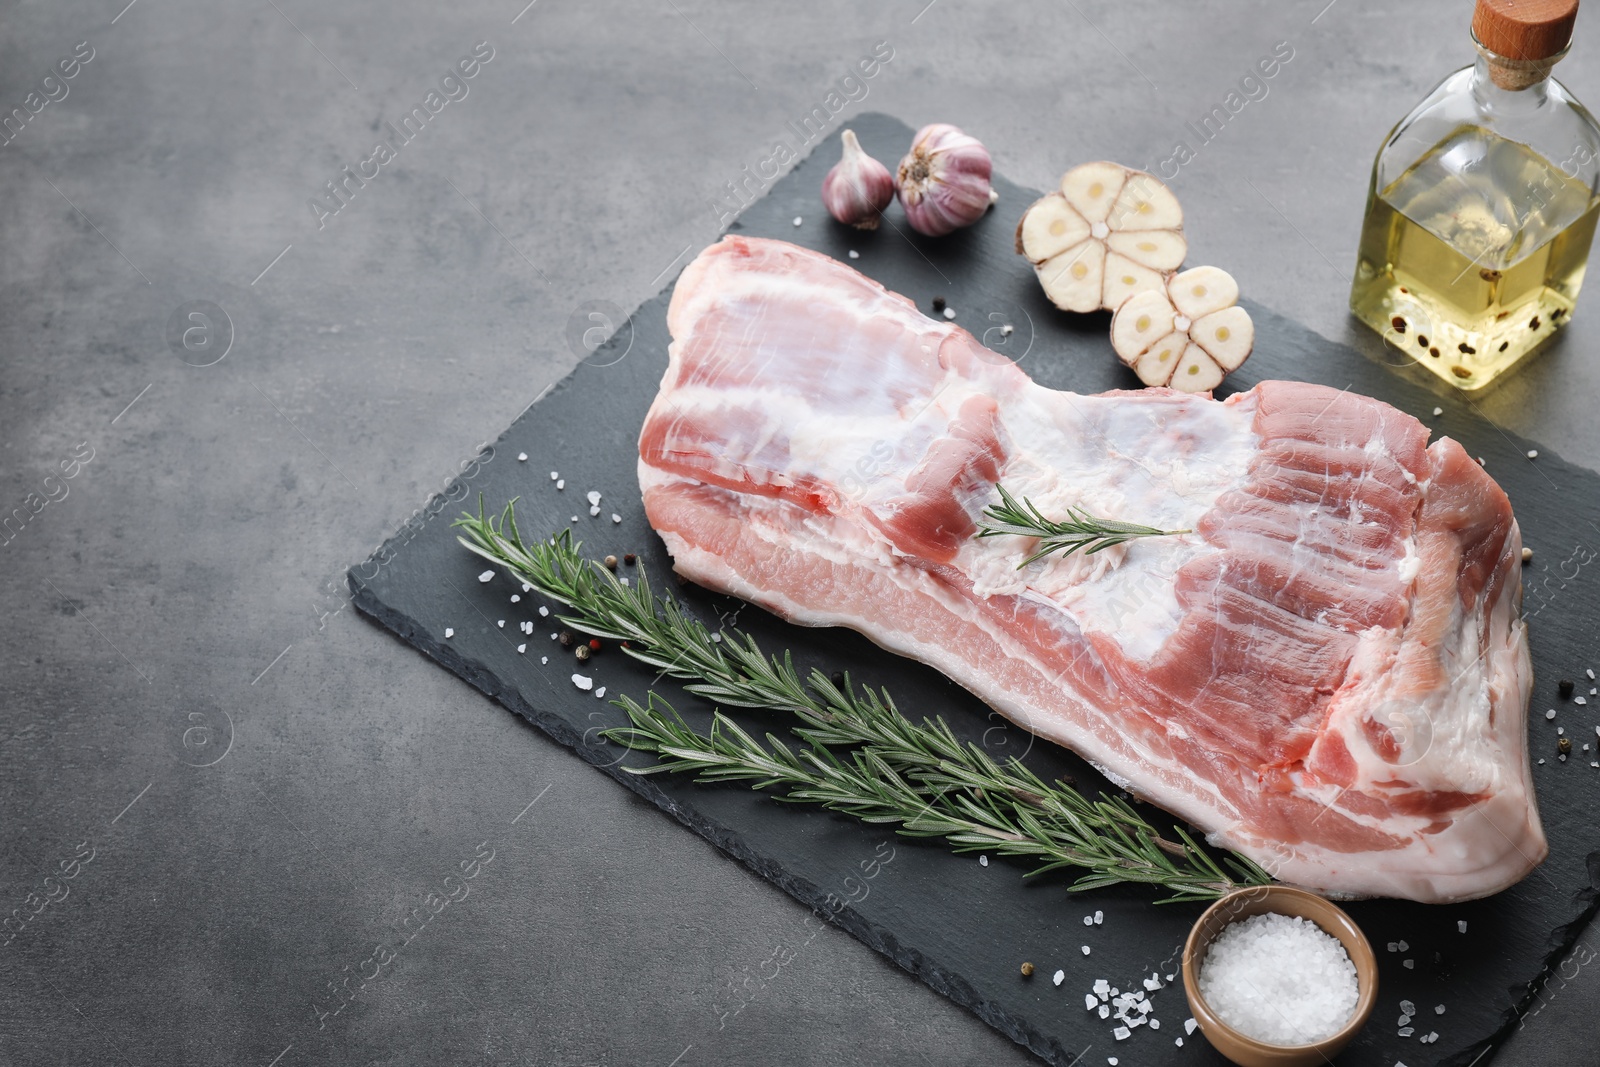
[861, 755]
[1080, 530]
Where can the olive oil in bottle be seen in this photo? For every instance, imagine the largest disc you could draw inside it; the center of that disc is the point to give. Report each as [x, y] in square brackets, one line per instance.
[1483, 206]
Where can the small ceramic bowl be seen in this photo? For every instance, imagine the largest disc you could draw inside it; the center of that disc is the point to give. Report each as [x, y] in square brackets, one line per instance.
[1285, 900]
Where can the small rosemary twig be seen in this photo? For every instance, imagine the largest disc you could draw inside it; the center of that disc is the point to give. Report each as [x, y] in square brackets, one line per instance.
[1080, 531]
[920, 777]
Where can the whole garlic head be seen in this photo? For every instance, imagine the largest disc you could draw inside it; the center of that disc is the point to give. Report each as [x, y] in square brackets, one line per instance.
[1107, 233]
[1187, 334]
[944, 180]
[858, 187]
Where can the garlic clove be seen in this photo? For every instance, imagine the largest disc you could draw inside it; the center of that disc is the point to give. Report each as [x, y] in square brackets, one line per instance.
[1155, 367]
[1141, 321]
[1226, 335]
[1187, 335]
[1092, 188]
[1124, 278]
[1160, 250]
[1134, 219]
[1202, 290]
[1049, 228]
[858, 188]
[1197, 372]
[1145, 204]
[1073, 280]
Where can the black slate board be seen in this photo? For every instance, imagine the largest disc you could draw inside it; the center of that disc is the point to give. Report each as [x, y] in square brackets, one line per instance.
[961, 927]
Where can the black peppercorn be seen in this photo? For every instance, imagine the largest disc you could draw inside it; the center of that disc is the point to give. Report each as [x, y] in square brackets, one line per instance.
[566, 639]
[630, 559]
[1564, 687]
[938, 304]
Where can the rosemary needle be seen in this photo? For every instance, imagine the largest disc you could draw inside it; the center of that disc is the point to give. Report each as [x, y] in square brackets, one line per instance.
[856, 752]
[1079, 531]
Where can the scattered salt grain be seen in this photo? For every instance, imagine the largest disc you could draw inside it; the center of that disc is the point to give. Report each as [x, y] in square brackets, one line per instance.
[1461, 925]
[1541, 761]
[1189, 1025]
[516, 598]
[1102, 988]
[598, 693]
[949, 313]
[594, 497]
[583, 682]
[1393, 947]
[1007, 330]
[1089, 1002]
[1112, 1060]
[854, 254]
[797, 220]
[1403, 945]
[1085, 950]
[1058, 977]
[574, 518]
[1550, 714]
[1409, 965]
[543, 612]
[448, 633]
[1579, 700]
[1088, 920]
[485, 576]
[554, 636]
[1590, 673]
[1438, 1009]
[521, 649]
[1152, 983]
[501, 623]
[983, 861]
[1179, 1042]
[1099, 917]
[1438, 411]
[594, 511]
[1121, 1033]
[1405, 1031]
[544, 659]
[1105, 1011]
[624, 581]
[1279, 979]
[554, 476]
[615, 517]
[522, 457]
[1155, 1024]
[561, 483]
[526, 588]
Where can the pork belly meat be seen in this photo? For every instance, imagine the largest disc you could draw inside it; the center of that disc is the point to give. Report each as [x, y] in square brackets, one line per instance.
[1329, 674]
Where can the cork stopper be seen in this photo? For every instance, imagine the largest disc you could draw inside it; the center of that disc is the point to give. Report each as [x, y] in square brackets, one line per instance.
[1525, 37]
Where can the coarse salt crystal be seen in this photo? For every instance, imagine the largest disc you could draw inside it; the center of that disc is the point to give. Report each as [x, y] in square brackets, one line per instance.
[1179, 1042]
[1089, 1003]
[983, 861]
[544, 659]
[522, 457]
[521, 649]
[583, 682]
[854, 254]
[554, 476]
[1155, 1024]
[1461, 925]
[1579, 700]
[1533, 453]
[1438, 411]
[449, 633]
[501, 623]
[797, 220]
[543, 612]
[1409, 965]
[526, 588]
[1088, 920]
[1099, 917]
[574, 518]
[1403, 945]
[1189, 1025]
[949, 313]
[1105, 1010]
[1058, 977]
[594, 511]
[554, 636]
[485, 576]
[516, 598]
[594, 497]
[1112, 1060]
[600, 692]
[1152, 983]
[1550, 714]
[1438, 1009]
[1102, 988]
[615, 517]
[1406, 1031]
[1590, 673]
[1085, 950]
[1121, 1033]
[561, 483]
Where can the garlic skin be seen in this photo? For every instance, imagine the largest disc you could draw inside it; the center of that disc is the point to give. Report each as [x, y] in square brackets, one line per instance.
[858, 188]
[944, 180]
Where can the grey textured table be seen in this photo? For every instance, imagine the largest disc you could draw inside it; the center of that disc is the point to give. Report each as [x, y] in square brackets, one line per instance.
[266, 783]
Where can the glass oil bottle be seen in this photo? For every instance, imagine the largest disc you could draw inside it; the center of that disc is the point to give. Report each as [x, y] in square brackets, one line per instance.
[1483, 204]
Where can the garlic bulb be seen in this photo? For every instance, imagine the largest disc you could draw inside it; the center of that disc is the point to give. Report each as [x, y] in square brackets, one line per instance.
[1107, 233]
[944, 180]
[1187, 334]
[858, 187]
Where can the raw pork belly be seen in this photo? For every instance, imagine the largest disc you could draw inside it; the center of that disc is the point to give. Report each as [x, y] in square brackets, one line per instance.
[1329, 675]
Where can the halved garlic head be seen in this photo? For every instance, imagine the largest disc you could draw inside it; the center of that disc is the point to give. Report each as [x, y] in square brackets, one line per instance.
[1109, 232]
[1187, 334]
